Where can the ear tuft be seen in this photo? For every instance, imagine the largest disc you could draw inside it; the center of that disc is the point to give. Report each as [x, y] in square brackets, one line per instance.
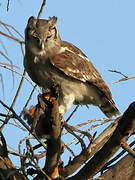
[31, 19]
[52, 20]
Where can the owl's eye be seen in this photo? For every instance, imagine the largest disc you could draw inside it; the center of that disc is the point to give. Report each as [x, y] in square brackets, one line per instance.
[49, 34]
[35, 36]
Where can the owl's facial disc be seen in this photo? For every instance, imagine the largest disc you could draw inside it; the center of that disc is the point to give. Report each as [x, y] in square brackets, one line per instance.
[41, 33]
[40, 40]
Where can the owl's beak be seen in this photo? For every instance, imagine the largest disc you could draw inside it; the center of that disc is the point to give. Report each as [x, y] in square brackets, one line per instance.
[42, 45]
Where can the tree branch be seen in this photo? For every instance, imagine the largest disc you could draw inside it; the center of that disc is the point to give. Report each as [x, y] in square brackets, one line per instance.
[79, 160]
[126, 127]
[123, 169]
[7, 169]
[46, 122]
[41, 9]
[123, 79]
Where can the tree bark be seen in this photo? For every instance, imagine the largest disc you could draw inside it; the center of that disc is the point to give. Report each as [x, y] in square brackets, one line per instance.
[123, 170]
[125, 128]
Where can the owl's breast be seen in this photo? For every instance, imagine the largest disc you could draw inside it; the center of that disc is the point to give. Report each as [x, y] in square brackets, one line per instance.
[39, 71]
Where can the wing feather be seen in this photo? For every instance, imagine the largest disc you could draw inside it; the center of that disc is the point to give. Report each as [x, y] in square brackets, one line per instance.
[76, 65]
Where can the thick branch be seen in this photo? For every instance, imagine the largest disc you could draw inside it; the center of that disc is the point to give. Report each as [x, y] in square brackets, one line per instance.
[126, 127]
[7, 169]
[54, 143]
[79, 160]
[46, 122]
[124, 169]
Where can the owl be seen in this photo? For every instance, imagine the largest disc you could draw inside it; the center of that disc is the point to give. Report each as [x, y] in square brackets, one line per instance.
[50, 61]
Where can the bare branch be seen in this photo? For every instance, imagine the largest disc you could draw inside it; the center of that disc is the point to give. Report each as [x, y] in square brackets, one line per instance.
[125, 128]
[41, 9]
[21, 141]
[28, 101]
[10, 65]
[123, 169]
[123, 79]
[2, 83]
[3, 46]
[92, 149]
[23, 123]
[72, 113]
[23, 75]
[8, 5]
[126, 147]
[90, 137]
[107, 165]
[12, 37]
[70, 130]
[12, 27]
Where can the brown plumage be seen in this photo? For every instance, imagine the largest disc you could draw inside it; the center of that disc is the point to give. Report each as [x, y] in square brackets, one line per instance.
[50, 61]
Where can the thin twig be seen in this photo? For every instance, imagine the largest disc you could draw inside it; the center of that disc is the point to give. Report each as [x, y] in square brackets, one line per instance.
[104, 120]
[23, 123]
[39, 156]
[7, 28]
[22, 49]
[72, 113]
[8, 5]
[70, 150]
[6, 57]
[91, 121]
[79, 139]
[99, 124]
[10, 65]
[21, 141]
[12, 148]
[3, 46]
[12, 37]
[41, 9]
[16, 125]
[2, 84]
[123, 79]
[28, 100]
[12, 27]
[93, 126]
[14, 100]
[90, 137]
[23, 75]
[118, 72]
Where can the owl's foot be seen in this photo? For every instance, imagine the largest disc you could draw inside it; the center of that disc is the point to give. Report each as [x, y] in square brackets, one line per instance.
[32, 111]
[55, 173]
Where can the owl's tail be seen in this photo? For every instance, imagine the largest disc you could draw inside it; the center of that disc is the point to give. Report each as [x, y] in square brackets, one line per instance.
[109, 108]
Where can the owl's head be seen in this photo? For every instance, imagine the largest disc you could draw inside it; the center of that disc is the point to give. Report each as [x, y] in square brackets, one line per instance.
[41, 36]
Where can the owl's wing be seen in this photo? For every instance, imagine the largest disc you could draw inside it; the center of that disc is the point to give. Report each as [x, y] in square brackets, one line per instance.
[76, 65]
